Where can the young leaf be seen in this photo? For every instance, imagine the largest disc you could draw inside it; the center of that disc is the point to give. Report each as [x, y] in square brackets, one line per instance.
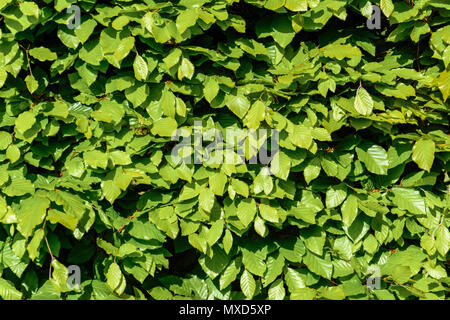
[423, 154]
[363, 102]
[248, 284]
[140, 68]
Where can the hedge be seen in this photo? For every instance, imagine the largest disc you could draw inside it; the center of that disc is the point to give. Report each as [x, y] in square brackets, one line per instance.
[115, 117]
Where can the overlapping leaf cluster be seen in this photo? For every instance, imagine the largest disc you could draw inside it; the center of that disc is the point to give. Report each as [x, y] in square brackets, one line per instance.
[359, 187]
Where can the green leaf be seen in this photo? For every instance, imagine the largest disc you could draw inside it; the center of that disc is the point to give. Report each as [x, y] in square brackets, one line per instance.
[95, 159]
[186, 19]
[275, 265]
[303, 294]
[312, 170]
[115, 279]
[211, 89]
[263, 182]
[341, 51]
[146, 231]
[165, 127]
[172, 58]
[186, 69]
[349, 210]
[59, 276]
[296, 5]
[123, 49]
[3, 76]
[268, 213]
[294, 280]
[443, 83]
[387, 7]
[336, 195]
[29, 8]
[85, 30]
[8, 291]
[333, 293]
[240, 187]
[318, 265]
[280, 165]
[277, 291]
[301, 136]
[374, 157]
[13, 153]
[206, 199]
[31, 214]
[442, 240]
[215, 232]
[33, 246]
[253, 262]
[25, 121]
[408, 199]
[401, 274]
[43, 54]
[5, 140]
[314, 240]
[227, 241]
[239, 104]
[230, 273]
[255, 115]
[217, 183]
[423, 154]
[282, 31]
[246, 211]
[363, 102]
[19, 187]
[32, 84]
[140, 68]
[370, 244]
[248, 284]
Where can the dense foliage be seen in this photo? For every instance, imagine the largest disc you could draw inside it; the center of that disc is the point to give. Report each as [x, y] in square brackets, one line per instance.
[358, 188]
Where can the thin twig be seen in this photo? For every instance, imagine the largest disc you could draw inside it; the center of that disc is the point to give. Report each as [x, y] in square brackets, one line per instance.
[48, 247]
[28, 58]
[434, 231]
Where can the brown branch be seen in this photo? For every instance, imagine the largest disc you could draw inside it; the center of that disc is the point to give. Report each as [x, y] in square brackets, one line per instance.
[28, 58]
